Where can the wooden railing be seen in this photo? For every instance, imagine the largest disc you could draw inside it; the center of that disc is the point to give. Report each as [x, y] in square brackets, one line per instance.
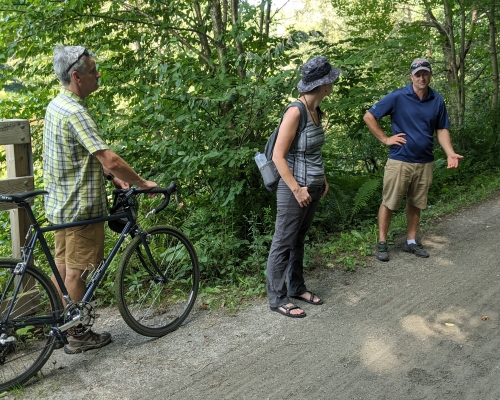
[15, 135]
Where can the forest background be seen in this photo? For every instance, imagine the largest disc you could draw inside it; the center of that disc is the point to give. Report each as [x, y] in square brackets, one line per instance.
[191, 89]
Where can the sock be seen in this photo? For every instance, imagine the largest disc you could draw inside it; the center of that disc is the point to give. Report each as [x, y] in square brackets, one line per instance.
[410, 241]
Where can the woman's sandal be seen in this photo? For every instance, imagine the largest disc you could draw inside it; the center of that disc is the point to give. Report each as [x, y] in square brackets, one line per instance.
[287, 309]
[310, 300]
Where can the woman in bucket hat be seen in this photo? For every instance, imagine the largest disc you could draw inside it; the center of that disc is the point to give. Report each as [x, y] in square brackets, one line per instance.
[302, 185]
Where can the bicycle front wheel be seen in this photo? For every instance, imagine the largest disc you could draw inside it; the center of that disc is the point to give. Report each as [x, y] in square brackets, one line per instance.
[25, 322]
[154, 298]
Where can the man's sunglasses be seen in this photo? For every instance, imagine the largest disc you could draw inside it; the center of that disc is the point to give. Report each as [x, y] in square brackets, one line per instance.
[85, 53]
[420, 64]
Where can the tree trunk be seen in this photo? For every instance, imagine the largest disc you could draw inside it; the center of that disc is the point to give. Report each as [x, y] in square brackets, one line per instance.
[261, 19]
[216, 14]
[238, 43]
[268, 17]
[494, 54]
[451, 64]
[265, 17]
[454, 61]
[204, 45]
[224, 14]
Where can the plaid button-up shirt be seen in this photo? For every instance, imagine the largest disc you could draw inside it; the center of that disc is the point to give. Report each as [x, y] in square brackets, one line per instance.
[71, 174]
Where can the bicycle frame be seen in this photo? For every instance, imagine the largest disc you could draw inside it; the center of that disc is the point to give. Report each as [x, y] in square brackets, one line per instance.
[37, 234]
[34, 321]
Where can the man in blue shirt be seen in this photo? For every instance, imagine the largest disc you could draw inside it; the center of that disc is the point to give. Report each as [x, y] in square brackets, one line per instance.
[416, 113]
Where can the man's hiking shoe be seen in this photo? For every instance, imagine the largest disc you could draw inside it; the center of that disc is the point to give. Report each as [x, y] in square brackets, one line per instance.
[417, 249]
[382, 251]
[86, 342]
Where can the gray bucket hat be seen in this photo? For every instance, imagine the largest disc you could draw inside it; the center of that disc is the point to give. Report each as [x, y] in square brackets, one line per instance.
[316, 72]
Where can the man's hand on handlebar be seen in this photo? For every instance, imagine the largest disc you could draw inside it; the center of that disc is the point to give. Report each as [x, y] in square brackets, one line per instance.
[148, 185]
[119, 184]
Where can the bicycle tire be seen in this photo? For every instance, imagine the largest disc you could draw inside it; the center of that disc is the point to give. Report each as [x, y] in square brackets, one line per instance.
[29, 344]
[150, 306]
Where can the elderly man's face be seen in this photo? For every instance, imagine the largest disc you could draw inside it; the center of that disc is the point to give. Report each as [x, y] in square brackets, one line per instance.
[89, 80]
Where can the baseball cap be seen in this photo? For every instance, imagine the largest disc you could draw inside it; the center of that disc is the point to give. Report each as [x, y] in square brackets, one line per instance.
[420, 64]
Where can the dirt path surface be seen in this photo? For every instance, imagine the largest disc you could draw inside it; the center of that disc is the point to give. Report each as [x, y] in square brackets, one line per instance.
[407, 329]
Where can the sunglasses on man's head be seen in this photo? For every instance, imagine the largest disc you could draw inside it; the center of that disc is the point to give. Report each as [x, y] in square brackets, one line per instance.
[85, 53]
[419, 64]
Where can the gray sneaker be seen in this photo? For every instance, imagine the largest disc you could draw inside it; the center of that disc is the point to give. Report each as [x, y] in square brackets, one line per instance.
[86, 342]
[382, 251]
[417, 249]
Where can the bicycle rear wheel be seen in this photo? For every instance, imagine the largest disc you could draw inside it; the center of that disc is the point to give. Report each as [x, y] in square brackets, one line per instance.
[154, 302]
[25, 343]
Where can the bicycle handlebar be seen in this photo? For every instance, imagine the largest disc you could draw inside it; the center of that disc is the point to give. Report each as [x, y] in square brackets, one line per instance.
[167, 192]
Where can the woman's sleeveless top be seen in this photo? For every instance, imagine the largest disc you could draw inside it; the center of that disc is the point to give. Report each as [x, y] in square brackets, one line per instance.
[306, 163]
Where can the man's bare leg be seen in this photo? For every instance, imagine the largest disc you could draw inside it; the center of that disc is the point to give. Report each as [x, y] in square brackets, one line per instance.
[73, 280]
[413, 219]
[62, 271]
[75, 283]
[384, 221]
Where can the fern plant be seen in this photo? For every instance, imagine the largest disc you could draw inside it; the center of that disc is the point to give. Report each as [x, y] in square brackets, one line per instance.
[348, 199]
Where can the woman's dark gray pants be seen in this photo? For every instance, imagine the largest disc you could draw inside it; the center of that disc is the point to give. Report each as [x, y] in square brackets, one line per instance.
[285, 264]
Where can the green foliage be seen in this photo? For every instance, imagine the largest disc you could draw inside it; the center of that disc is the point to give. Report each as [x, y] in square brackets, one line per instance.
[171, 109]
[5, 238]
[25, 333]
[242, 292]
[223, 256]
[180, 101]
[351, 201]
[349, 249]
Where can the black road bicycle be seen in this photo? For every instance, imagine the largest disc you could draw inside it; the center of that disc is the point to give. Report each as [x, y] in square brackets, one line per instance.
[156, 284]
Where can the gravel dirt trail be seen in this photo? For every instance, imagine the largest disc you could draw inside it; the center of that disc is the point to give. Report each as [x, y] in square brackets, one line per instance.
[407, 329]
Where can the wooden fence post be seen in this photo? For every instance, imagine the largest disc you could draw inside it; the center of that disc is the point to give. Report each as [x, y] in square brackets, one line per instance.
[15, 135]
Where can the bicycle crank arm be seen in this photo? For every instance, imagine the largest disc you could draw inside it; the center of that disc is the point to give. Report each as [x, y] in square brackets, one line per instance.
[77, 319]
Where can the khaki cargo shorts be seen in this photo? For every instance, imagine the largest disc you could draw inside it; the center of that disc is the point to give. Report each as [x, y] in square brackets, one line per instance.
[406, 179]
[80, 247]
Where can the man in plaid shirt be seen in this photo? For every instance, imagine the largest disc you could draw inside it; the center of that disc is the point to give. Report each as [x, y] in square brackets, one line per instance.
[76, 162]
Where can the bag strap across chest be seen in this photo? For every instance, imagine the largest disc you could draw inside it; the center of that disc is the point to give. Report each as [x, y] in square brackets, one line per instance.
[268, 150]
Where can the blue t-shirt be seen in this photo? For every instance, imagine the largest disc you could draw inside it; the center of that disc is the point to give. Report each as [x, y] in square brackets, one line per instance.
[418, 119]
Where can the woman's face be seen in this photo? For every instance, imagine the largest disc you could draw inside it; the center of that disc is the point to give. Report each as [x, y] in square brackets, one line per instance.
[328, 88]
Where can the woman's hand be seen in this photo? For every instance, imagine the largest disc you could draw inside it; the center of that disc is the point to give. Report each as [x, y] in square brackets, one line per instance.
[303, 197]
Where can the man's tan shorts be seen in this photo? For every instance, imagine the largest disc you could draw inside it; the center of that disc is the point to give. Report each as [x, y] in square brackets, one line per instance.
[80, 247]
[410, 179]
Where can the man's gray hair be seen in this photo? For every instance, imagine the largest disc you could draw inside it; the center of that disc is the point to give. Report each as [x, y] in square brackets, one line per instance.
[64, 56]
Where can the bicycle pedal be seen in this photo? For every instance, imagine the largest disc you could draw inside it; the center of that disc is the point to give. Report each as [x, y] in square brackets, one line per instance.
[60, 337]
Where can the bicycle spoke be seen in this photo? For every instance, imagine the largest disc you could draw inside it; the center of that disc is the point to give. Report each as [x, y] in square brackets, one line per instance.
[24, 333]
[156, 300]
